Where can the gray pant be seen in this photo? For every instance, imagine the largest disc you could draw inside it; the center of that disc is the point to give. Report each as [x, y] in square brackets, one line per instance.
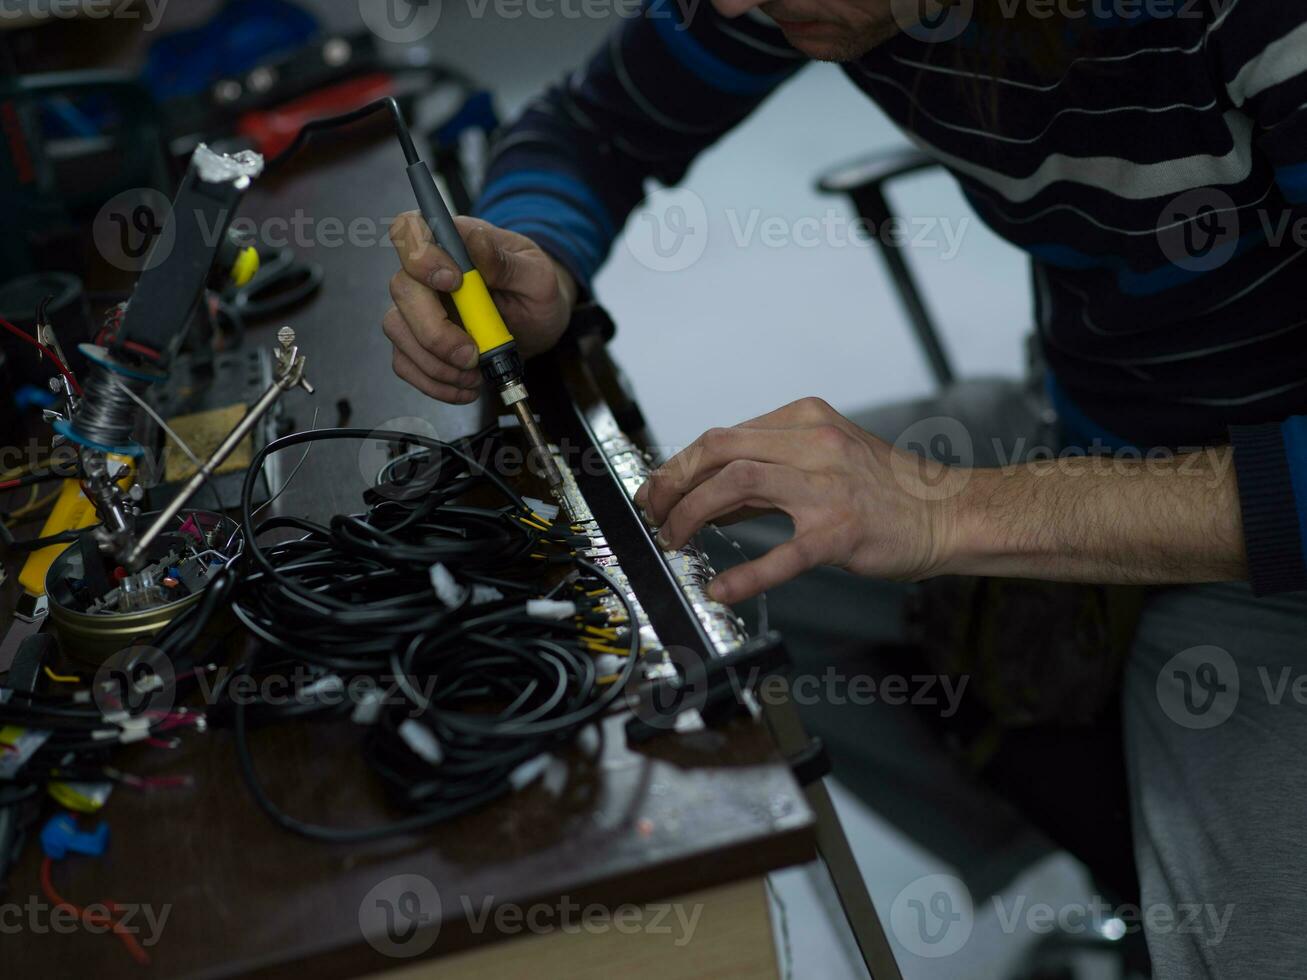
[1214, 701]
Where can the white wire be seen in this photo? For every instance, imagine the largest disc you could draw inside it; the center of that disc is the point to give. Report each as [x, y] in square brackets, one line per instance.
[199, 465]
[162, 424]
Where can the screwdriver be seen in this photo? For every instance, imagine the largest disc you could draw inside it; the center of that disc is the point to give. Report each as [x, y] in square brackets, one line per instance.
[501, 365]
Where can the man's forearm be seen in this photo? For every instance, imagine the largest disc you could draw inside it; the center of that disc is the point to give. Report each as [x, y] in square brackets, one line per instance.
[1102, 519]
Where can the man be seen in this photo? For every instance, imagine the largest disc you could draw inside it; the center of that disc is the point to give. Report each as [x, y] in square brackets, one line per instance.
[1152, 159]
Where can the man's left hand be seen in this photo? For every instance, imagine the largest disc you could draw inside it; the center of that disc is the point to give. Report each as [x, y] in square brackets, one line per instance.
[856, 502]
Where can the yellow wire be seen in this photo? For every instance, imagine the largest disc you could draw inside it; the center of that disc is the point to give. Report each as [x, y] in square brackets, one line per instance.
[33, 505]
[598, 647]
[15, 474]
[609, 679]
[31, 499]
[61, 678]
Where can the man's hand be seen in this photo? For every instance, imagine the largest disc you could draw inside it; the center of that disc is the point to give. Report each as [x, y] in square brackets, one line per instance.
[861, 504]
[850, 495]
[534, 294]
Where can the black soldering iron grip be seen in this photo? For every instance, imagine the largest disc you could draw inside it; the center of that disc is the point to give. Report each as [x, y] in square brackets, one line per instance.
[437, 215]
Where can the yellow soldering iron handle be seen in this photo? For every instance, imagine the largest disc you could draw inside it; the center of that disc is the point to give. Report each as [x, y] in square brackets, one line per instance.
[479, 314]
[477, 310]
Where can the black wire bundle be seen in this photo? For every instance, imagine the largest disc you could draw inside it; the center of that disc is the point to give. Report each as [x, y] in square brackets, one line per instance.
[466, 691]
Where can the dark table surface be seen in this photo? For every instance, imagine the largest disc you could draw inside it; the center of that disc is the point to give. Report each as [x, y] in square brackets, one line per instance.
[245, 898]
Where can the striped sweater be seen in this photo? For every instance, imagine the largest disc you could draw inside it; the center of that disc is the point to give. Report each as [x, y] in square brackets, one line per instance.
[1157, 178]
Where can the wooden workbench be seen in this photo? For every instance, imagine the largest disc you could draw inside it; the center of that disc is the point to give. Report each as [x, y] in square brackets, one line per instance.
[699, 816]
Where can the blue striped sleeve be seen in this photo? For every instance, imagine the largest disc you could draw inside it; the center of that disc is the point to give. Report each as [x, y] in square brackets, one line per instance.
[1271, 468]
[1260, 55]
[662, 89]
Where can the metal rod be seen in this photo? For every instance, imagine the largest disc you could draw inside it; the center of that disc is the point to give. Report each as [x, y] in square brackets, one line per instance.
[135, 558]
[538, 444]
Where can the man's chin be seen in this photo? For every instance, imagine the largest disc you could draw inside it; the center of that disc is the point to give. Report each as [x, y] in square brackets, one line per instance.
[835, 45]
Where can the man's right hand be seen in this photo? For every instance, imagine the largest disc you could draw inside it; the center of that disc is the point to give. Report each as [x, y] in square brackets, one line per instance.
[534, 294]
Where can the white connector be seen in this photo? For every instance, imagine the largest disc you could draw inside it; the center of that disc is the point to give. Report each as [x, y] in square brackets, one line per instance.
[550, 608]
[422, 741]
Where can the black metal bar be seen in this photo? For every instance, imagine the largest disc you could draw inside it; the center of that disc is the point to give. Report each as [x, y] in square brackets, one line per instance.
[873, 207]
[572, 411]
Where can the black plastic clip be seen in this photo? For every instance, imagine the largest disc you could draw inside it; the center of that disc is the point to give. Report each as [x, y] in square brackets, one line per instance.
[714, 687]
[810, 763]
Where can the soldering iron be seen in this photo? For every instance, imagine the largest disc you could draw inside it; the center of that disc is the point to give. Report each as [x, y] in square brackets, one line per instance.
[153, 323]
[501, 364]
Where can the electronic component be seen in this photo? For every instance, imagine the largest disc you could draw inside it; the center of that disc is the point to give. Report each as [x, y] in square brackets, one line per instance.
[690, 565]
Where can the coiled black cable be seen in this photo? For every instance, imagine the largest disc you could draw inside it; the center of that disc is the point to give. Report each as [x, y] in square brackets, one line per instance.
[350, 603]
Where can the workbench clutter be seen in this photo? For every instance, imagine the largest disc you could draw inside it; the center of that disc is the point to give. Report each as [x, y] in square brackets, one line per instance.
[471, 641]
[238, 691]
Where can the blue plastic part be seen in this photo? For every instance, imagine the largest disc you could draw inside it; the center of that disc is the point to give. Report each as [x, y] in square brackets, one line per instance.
[61, 836]
[65, 429]
[98, 355]
[478, 112]
[30, 396]
[241, 36]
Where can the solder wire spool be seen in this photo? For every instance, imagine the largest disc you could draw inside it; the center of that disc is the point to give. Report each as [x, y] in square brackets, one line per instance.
[106, 414]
